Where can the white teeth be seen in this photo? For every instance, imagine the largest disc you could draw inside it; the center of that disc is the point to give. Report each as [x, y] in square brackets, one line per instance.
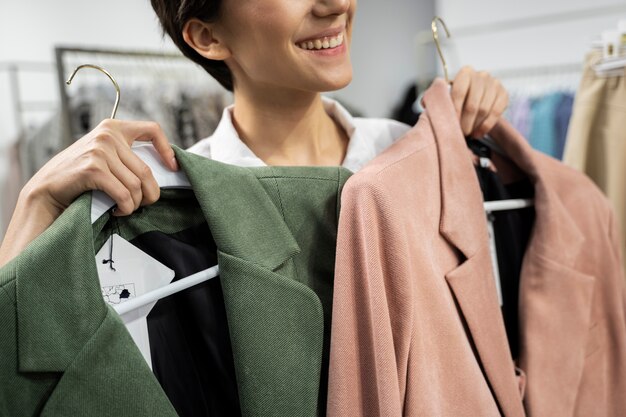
[323, 43]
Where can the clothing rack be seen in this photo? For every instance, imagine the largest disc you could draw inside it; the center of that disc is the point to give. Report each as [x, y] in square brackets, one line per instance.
[537, 80]
[21, 106]
[131, 63]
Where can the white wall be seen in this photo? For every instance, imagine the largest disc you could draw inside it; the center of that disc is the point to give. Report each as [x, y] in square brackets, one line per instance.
[554, 41]
[384, 53]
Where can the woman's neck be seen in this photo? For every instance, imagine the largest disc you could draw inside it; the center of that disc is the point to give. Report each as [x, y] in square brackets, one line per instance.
[292, 129]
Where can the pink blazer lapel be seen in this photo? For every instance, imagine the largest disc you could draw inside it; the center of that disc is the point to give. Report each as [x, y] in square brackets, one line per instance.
[463, 224]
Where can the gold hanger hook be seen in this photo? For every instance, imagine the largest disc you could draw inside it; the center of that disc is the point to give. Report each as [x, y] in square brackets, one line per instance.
[117, 87]
[435, 30]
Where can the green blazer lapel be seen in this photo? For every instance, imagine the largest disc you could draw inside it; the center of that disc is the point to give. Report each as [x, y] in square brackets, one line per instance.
[58, 300]
[276, 321]
[276, 327]
[108, 377]
[226, 194]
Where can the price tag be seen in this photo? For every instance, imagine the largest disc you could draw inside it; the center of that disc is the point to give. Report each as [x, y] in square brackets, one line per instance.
[126, 272]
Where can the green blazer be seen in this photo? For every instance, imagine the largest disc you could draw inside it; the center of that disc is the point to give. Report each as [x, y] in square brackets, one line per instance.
[64, 352]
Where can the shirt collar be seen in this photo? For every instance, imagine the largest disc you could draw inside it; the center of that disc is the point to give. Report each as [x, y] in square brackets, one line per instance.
[226, 145]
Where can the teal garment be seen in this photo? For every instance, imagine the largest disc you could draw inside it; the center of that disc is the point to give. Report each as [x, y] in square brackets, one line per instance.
[543, 130]
[563, 116]
[66, 353]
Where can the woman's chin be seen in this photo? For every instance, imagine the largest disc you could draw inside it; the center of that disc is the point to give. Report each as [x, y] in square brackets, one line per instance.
[336, 83]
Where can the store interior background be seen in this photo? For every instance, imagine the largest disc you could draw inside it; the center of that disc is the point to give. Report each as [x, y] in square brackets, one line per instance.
[494, 35]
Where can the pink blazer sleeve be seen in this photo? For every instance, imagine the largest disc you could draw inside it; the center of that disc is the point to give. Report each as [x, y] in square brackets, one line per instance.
[372, 314]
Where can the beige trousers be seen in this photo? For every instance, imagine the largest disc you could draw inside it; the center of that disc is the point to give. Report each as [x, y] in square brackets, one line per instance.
[596, 142]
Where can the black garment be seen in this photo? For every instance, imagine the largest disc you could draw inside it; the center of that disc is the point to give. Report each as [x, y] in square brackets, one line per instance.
[512, 229]
[405, 111]
[189, 338]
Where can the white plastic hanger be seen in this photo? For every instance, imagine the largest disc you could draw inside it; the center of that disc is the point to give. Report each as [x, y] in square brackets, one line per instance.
[613, 60]
[101, 203]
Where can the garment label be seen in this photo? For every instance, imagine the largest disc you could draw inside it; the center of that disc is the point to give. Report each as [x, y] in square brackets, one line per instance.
[494, 256]
[126, 272]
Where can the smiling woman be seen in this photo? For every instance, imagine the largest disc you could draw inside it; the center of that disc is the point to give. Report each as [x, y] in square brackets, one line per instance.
[257, 50]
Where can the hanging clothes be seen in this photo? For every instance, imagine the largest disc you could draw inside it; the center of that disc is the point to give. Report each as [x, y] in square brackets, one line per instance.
[563, 116]
[595, 143]
[519, 114]
[67, 353]
[420, 329]
[543, 135]
[405, 112]
[543, 119]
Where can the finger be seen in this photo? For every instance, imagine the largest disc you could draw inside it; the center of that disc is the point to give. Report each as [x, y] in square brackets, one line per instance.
[495, 116]
[128, 180]
[113, 187]
[149, 187]
[485, 109]
[460, 88]
[472, 104]
[150, 132]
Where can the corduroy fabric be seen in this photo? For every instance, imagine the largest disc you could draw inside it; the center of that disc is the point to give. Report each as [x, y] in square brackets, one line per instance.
[417, 327]
[66, 353]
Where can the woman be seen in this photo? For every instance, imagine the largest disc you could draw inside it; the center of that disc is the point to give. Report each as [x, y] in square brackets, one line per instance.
[277, 56]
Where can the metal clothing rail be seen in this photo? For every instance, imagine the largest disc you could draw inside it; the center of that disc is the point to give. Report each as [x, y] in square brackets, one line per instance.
[20, 106]
[63, 53]
[531, 71]
[541, 20]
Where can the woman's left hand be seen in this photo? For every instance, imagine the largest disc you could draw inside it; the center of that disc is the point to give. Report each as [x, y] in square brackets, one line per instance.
[479, 100]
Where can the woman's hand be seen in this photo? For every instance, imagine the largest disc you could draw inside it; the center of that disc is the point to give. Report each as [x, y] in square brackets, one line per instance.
[100, 160]
[103, 160]
[479, 100]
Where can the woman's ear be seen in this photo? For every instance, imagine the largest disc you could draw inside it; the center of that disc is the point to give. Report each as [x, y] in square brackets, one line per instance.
[201, 37]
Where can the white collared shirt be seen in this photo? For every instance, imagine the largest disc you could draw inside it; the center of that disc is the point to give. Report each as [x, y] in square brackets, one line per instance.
[368, 138]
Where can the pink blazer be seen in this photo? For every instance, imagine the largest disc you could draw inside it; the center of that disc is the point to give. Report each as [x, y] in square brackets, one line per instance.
[417, 328]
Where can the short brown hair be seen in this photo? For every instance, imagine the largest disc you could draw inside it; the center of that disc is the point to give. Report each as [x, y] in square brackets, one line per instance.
[173, 14]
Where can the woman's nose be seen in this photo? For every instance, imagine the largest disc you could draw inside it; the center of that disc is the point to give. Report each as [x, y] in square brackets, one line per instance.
[324, 8]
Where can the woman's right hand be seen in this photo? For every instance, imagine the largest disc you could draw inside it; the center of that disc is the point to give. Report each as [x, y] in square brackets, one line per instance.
[100, 160]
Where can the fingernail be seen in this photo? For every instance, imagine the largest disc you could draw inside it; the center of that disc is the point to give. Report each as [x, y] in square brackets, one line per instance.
[175, 166]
